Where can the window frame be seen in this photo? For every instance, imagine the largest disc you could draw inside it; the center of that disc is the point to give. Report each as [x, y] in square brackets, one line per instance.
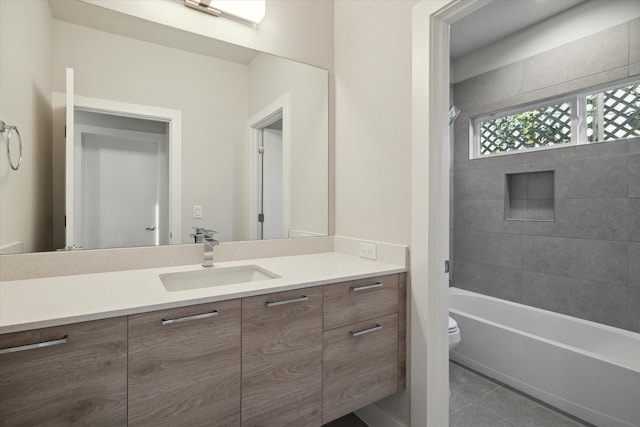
[578, 121]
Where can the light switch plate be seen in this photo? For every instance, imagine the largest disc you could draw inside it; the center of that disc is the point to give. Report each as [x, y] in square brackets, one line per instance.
[368, 250]
[197, 211]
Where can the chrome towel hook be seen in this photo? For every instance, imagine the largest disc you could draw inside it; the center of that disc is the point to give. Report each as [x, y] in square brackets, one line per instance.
[9, 129]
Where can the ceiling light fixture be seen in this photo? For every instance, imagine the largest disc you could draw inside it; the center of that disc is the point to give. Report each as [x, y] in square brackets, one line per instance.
[246, 10]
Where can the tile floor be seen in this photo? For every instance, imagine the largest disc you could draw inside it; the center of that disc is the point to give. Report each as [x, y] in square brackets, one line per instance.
[477, 401]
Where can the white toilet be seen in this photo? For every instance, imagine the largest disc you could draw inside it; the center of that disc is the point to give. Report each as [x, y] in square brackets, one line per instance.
[454, 333]
[454, 337]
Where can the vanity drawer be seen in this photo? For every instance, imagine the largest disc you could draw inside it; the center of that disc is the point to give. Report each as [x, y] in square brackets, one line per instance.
[360, 365]
[184, 365]
[358, 300]
[65, 375]
[282, 359]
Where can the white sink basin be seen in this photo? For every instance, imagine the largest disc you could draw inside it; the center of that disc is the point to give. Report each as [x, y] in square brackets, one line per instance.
[214, 277]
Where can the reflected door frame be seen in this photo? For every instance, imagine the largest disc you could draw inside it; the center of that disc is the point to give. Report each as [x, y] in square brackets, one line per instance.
[173, 118]
[266, 116]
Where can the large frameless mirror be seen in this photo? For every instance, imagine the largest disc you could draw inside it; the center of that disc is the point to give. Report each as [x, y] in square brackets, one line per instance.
[165, 131]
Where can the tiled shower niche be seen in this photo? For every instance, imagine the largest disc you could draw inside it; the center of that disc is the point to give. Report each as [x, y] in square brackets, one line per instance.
[529, 196]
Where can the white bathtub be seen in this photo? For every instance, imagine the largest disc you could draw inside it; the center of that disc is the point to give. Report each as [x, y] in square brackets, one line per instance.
[584, 368]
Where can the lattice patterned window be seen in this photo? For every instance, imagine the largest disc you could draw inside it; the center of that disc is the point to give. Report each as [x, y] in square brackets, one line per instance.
[613, 114]
[591, 116]
[529, 129]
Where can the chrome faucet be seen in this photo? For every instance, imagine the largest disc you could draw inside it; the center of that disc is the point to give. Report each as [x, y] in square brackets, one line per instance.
[203, 235]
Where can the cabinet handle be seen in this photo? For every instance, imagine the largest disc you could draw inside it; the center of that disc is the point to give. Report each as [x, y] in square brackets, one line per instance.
[62, 340]
[287, 301]
[367, 287]
[214, 313]
[366, 331]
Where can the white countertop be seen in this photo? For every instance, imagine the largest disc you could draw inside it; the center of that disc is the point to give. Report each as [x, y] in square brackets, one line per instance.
[38, 303]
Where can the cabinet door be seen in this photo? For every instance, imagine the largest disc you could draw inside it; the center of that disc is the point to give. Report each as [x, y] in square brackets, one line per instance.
[350, 302]
[282, 359]
[184, 366]
[360, 365]
[65, 375]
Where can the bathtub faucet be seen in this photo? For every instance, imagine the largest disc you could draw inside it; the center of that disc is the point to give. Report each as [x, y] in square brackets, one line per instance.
[203, 235]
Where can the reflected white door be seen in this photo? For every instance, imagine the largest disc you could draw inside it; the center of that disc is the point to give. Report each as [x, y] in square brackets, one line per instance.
[121, 181]
[272, 184]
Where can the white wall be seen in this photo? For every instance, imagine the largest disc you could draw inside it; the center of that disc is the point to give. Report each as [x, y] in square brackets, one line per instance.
[588, 18]
[212, 95]
[294, 29]
[25, 101]
[373, 120]
[269, 79]
[373, 129]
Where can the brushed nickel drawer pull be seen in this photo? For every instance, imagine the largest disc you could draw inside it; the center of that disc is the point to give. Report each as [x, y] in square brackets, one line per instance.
[367, 287]
[366, 331]
[62, 340]
[214, 313]
[287, 301]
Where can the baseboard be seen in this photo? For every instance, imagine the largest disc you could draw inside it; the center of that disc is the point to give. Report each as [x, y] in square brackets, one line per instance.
[12, 248]
[303, 233]
[375, 416]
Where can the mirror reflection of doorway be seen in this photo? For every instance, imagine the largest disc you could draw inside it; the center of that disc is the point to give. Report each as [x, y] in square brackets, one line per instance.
[268, 174]
[270, 182]
[122, 181]
[112, 200]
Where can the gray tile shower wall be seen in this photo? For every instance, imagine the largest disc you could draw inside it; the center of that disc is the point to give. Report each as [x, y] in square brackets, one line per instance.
[586, 262]
[598, 53]
[634, 265]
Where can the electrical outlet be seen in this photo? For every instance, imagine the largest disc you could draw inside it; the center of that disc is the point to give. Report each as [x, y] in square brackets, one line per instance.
[368, 250]
[197, 211]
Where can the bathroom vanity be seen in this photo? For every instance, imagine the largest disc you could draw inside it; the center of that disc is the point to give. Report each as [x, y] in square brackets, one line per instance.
[322, 339]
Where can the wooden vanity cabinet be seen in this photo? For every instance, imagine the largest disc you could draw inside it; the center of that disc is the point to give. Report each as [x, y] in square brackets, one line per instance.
[282, 359]
[364, 346]
[184, 366]
[360, 365]
[296, 358]
[65, 375]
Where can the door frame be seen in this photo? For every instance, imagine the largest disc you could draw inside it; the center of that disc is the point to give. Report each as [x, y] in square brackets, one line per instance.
[266, 116]
[161, 156]
[430, 207]
[173, 118]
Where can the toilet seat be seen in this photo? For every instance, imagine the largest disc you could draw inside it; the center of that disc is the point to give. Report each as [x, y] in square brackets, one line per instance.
[454, 333]
[453, 325]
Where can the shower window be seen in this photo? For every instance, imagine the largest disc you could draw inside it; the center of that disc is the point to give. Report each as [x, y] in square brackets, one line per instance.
[613, 114]
[592, 116]
[540, 127]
